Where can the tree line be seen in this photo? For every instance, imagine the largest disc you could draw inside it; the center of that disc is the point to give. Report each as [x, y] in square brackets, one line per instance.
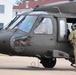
[18, 2]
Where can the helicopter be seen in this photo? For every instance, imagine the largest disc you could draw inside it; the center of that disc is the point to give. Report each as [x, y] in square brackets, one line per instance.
[41, 33]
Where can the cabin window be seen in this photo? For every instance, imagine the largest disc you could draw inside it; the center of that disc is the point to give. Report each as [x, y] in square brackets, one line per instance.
[62, 28]
[45, 27]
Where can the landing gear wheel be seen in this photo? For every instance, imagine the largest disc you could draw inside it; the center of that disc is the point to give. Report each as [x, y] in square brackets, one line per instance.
[48, 62]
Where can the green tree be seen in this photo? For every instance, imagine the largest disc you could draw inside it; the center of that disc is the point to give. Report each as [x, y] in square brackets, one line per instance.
[18, 2]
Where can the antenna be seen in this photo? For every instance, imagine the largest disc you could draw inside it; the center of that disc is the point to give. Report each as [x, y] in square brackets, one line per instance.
[58, 10]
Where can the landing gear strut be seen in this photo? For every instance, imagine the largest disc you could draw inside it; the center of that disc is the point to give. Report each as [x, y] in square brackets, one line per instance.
[48, 62]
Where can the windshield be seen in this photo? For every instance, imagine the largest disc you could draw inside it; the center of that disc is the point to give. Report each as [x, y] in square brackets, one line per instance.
[27, 23]
[11, 22]
[15, 22]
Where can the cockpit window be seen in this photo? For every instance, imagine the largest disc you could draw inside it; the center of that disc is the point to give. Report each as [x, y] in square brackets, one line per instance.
[14, 24]
[45, 27]
[11, 22]
[27, 23]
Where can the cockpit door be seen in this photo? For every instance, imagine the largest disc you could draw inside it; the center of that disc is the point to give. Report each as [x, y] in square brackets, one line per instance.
[44, 32]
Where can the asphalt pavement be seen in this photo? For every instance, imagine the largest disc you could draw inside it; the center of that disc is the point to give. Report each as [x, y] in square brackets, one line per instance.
[30, 66]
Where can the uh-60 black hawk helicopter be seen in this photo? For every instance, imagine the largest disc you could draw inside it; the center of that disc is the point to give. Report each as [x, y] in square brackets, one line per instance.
[42, 33]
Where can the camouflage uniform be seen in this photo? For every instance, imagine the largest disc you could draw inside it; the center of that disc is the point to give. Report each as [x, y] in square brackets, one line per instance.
[72, 38]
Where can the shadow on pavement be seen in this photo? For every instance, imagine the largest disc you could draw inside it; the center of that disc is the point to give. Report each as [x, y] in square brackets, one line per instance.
[37, 68]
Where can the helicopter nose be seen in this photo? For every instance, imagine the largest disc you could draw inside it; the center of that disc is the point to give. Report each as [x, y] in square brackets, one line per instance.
[19, 42]
[12, 43]
[5, 41]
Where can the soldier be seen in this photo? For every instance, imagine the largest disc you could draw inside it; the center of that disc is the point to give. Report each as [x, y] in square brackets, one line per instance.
[72, 39]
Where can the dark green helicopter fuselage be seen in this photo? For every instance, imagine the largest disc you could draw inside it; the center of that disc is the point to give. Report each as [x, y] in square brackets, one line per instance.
[42, 34]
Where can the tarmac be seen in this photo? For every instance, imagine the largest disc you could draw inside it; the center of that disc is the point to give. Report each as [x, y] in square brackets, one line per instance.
[14, 65]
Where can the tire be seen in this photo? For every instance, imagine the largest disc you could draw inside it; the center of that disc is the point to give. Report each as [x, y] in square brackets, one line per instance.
[48, 62]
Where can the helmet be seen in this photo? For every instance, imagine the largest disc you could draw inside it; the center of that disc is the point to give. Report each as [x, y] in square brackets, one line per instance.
[73, 26]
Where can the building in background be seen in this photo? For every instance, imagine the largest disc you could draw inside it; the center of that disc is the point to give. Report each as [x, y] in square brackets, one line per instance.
[6, 12]
[30, 5]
